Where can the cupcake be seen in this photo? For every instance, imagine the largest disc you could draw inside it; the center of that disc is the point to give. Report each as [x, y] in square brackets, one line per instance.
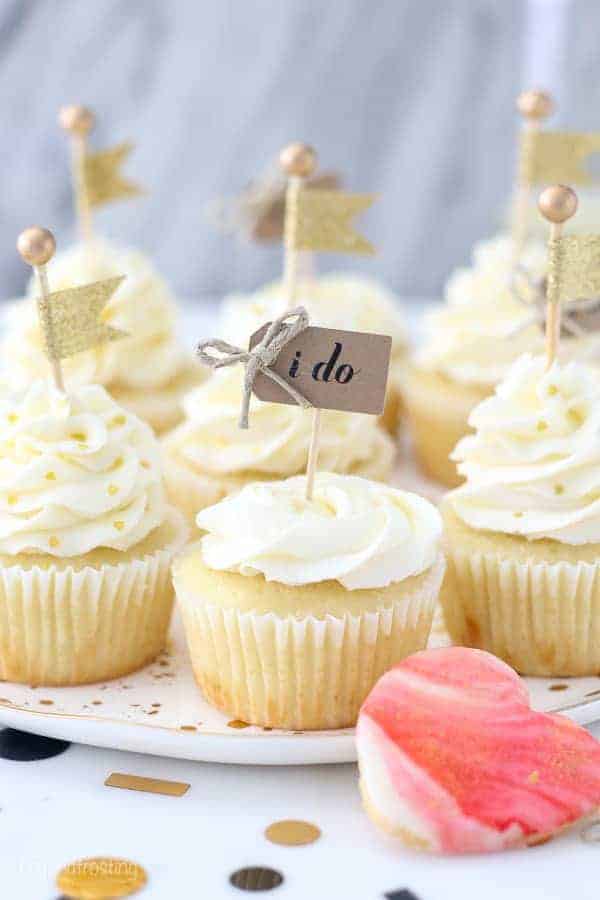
[147, 372]
[294, 608]
[523, 532]
[351, 302]
[470, 342]
[86, 538]
[208, 456]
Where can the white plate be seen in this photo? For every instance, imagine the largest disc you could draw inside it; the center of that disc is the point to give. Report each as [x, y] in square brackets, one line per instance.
[159, 710]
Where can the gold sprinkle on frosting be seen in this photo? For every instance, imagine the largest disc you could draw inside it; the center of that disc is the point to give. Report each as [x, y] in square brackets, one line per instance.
[12, 499]
[119, 525]
[12, 418]
[113, 489]
[118, 420]
[50, 476]
[54, 541]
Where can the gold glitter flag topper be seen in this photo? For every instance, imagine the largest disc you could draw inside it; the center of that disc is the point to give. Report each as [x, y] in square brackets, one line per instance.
[71, 319]
[574, 268]
[557, 156]
[103, 179]
[322, 220]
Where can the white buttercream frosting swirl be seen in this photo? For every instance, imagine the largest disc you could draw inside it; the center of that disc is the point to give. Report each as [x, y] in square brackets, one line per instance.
[532, 468]
[471, 336]
[338, 300]
[278, 439]
[143, 306]
[354, 531]
[77, 472]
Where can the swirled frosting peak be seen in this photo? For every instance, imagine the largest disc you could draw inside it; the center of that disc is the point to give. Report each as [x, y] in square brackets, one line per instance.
[278, 440]
[532, 467]
[476, 335]
[142, 306]
[77, 473]
[357, 532]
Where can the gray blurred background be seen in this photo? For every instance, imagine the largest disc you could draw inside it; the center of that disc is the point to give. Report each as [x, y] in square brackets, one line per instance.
[414, 100]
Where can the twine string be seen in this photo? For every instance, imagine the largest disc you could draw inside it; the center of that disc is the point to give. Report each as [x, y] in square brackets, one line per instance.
[260, 358]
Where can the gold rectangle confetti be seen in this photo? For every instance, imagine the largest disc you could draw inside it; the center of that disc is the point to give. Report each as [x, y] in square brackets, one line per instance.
[148, 785]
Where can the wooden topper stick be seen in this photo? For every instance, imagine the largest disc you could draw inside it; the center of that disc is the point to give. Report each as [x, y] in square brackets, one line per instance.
[534, 106]
[298, 161]
[557, 204]
[313, 453]
[78, 121]
[37, 246]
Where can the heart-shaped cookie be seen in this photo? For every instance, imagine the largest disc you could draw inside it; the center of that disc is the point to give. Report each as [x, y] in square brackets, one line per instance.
[454, 760]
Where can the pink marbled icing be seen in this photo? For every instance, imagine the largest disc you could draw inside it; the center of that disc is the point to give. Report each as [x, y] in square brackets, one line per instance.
[467, 758]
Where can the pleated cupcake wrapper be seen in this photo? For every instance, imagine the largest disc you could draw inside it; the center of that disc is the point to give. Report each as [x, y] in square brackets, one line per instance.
[308, 673]
[541, 618]
[68, 627]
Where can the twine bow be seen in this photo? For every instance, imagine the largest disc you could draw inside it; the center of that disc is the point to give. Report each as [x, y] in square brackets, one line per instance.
[260, 358]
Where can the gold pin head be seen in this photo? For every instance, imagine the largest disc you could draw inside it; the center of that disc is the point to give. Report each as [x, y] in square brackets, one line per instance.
[298, 160]
[36, 245]
[535, 105]
[558, 203]
[77, 120]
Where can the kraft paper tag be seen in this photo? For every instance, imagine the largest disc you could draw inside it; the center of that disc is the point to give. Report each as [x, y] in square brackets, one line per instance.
[332, 369]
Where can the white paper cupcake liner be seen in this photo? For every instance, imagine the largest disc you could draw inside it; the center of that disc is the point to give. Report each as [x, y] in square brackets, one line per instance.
[62, 626]
[541, 618]
[302, 673]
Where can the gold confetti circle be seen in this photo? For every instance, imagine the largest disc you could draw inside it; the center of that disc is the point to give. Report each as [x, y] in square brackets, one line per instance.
[292, 833]
[99, 877]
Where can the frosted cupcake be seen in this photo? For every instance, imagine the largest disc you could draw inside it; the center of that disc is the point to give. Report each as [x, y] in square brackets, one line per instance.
[208, 456]
[147, 372]
[523, 532]
[294, 608]
[86, 538]
[351, 302]
[469, 344]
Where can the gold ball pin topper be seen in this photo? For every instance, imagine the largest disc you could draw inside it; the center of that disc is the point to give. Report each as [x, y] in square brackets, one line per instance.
[535, 105]
[558, 203]
[76, 119]
[36, 245]
[298, 160]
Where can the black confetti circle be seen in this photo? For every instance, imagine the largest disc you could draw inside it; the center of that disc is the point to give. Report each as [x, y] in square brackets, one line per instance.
[24, 747]
[256, 878]
[401, 894]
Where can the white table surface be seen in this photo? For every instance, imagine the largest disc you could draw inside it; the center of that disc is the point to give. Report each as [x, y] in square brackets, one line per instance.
[57, 810]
